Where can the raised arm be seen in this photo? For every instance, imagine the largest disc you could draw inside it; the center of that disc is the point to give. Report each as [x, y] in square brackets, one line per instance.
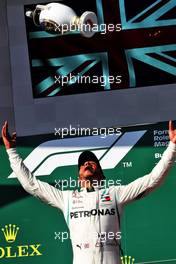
[149, 182]
[37, 188]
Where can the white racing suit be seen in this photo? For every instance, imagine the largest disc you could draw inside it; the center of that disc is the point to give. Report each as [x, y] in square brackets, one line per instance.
[93, 217]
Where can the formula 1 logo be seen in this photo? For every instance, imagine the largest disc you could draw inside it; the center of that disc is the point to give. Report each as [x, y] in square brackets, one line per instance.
[48, 156]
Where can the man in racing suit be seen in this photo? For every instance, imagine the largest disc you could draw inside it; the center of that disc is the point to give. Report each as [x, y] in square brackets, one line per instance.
[92, 214]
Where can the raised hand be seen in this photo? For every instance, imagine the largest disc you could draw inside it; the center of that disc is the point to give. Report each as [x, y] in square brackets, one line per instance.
[172, 132]
[9, 141]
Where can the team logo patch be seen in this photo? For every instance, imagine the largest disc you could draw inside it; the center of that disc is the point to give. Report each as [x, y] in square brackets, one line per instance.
[105, 197]
[76, 195]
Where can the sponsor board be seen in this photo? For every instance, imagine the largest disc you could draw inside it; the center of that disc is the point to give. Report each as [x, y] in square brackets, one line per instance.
[125, 157]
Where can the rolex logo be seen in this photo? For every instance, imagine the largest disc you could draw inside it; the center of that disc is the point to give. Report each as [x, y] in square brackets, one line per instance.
[10, 232]
[127, 260]
[17, 251]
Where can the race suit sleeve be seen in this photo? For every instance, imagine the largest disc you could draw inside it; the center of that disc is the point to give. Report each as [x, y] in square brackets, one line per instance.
[144, 185]
[37, 188]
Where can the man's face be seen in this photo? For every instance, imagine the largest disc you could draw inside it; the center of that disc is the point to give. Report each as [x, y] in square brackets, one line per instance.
[89, 169]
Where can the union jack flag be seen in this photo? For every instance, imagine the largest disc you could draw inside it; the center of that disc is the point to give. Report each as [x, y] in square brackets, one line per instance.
[143, 52]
